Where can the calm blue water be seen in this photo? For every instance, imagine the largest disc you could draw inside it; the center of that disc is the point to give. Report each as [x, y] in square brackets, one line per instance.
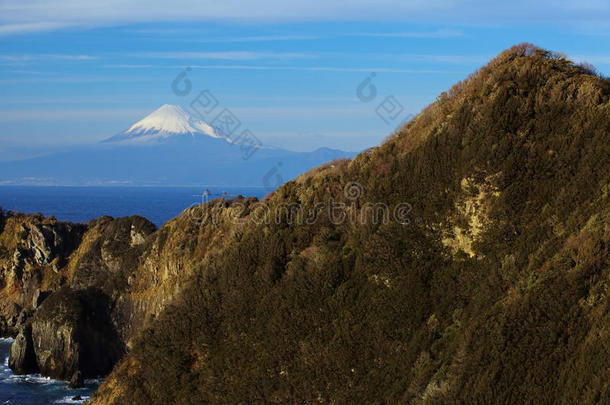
[81, 204]
[33, 389]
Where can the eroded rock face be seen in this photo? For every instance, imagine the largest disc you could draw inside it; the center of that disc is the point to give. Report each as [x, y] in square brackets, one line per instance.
[64, 292]
[33, 249]
[22, 359]
[471, 216]
[73, 337]
[109, 252]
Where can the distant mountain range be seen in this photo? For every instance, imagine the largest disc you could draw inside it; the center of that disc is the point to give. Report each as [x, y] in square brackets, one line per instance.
[169, 147]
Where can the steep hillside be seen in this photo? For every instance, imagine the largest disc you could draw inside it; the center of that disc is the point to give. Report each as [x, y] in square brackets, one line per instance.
[494, 288]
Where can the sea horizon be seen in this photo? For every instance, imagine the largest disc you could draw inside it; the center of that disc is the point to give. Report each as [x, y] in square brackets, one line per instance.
[81, 204]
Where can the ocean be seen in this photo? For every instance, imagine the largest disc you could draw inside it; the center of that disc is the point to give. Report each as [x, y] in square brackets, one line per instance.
[34, 389]
[82, 204]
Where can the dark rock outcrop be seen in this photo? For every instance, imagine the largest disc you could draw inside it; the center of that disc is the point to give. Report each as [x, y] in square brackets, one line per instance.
[110, 250]
[73, 337]
[22, 359]
[77, 380]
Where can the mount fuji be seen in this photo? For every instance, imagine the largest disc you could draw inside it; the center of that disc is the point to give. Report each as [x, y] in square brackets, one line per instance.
[168, 147]
[165, 123]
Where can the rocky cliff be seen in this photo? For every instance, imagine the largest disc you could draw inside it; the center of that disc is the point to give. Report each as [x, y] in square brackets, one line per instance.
[70, 337]
[465, 260]
[33, 249]
[76, 295]
[59, 288]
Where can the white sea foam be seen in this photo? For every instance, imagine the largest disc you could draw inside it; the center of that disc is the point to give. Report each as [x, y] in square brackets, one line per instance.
[28, 387]
[69, 400]
[33, 379]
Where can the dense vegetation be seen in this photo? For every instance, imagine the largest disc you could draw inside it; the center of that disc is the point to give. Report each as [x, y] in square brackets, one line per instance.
[496, 291]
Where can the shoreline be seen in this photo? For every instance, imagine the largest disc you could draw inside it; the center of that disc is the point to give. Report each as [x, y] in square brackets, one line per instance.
[33, 388]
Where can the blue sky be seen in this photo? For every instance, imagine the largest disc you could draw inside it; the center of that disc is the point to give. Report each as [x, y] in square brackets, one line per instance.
[74, 74]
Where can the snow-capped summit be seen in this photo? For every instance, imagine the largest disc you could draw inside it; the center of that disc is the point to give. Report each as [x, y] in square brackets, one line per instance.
[169, 147]
[168, 121]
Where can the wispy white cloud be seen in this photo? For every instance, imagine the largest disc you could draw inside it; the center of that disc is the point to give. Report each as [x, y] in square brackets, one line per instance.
[452, 59]
[59, 80]
[26, 16]
[78, 100]
[30, 27]
[136, 113]
[25, 72]
[115, 12]
[228, 55]
[168, 31]
[186, 34]
[374, 69]
[62, 114]
[140, 66]
[31, 57]
[263, 38]
[134, 66]
[442, 33]
[296, 68]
